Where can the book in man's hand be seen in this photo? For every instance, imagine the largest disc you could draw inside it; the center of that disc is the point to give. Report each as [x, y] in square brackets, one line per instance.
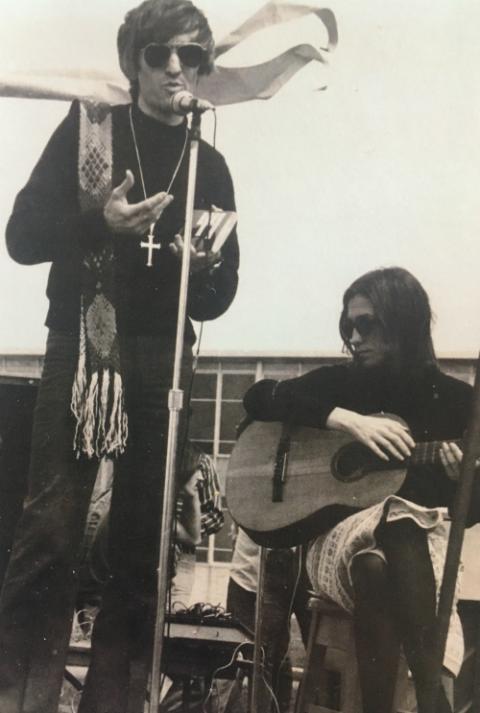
[211, 228]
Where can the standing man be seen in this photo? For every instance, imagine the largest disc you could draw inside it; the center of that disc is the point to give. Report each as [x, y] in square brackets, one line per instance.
[108, 177]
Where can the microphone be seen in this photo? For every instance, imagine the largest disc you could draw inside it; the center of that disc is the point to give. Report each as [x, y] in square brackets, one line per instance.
[184, 102]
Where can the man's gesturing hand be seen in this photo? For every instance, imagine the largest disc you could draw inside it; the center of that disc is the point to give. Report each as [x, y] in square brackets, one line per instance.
[385, 436]
[124, 217]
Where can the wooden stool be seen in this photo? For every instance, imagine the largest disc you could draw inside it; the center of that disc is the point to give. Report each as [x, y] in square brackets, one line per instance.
[331, 648]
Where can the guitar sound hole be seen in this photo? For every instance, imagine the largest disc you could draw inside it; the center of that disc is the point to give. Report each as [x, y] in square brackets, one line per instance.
[353, 461]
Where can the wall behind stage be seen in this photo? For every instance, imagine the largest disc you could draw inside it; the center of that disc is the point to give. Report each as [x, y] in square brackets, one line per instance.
[381, 168]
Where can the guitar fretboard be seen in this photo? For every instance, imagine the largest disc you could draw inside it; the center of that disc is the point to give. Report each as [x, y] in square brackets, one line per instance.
[428, 452]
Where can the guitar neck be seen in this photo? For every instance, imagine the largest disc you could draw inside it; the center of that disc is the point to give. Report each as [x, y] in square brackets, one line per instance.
[428, 452]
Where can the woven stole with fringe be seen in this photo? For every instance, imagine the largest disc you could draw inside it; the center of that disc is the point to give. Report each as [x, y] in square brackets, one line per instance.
[97, 395]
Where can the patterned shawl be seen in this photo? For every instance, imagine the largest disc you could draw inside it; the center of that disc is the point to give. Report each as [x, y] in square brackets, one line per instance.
[97, 395]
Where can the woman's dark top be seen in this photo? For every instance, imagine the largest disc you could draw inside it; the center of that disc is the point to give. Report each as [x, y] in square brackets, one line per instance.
[434, 405]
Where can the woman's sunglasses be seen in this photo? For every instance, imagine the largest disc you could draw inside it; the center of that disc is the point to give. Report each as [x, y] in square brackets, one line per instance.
[364, 325]
[190, 55]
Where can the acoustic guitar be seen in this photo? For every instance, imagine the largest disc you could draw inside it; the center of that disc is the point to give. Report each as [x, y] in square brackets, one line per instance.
[286, 484]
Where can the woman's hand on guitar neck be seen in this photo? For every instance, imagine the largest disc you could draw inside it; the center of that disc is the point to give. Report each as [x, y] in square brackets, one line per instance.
[451, 456]
[385, 436]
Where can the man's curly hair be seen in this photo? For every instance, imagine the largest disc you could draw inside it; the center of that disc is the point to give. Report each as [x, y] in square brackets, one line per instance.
[158, 21]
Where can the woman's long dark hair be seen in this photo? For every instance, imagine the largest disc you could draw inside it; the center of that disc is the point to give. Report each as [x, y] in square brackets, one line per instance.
[403, 309]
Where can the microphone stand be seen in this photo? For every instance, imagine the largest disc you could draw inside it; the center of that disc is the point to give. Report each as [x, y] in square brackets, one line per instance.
[258, 664]
[175, 405]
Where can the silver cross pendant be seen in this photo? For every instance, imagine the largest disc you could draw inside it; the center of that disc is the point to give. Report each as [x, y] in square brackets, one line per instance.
[150, 245]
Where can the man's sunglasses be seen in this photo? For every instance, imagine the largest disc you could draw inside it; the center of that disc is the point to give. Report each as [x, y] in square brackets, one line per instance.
[364, 325]
[190, 55]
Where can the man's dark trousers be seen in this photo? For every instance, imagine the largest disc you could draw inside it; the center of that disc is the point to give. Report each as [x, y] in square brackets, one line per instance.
[38, 596]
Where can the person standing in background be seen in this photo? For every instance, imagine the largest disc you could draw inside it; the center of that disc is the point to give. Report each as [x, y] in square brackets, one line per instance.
[285, 593]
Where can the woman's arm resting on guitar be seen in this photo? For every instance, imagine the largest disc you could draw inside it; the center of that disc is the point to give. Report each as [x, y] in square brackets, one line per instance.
[306, 400]
[384, 436]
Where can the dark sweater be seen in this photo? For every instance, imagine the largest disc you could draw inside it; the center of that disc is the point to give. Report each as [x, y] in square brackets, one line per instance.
[46, 226]
[434, 405]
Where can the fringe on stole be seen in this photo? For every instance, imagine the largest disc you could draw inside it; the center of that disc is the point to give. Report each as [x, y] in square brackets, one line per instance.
[102, 423]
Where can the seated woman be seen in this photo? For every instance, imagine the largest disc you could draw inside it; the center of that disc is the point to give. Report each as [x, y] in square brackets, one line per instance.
[384, 564]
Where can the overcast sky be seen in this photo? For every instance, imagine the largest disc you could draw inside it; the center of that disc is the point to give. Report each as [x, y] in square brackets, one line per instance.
[381, 169]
